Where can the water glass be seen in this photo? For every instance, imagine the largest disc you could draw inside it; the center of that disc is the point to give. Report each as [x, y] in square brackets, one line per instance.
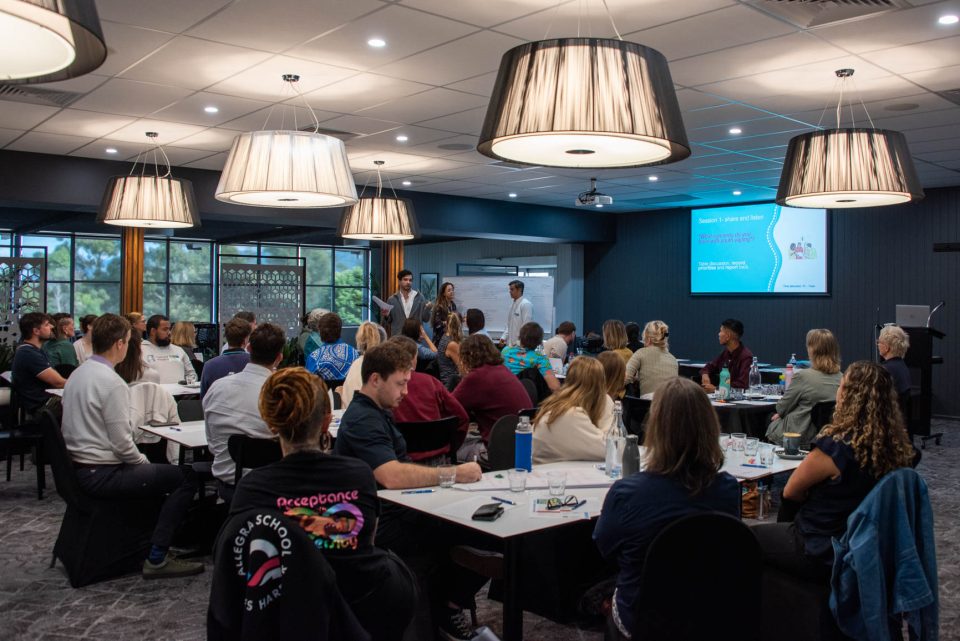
[448, 474]
[724, 441]
[763, 504]
[750, 446]
[736, 394]
[766, 455]
[557, 482]
[738, 439]
[518, 479]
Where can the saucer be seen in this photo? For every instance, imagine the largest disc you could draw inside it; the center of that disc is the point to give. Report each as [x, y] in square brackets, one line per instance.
[790, 457]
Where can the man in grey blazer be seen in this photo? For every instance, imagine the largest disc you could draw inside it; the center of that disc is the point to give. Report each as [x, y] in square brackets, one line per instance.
[407, 303]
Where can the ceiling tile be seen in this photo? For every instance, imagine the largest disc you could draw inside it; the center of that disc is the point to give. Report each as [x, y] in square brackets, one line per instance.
[942, 79]
[127, 44]
[481, 14]
[429, 104]
[42, 143]
[265, 80]
[98, 149]
[6, 135]
[888, 30]
[214, 162]
[694, 99]
[417, 138]
[277, 117]
[191, 109]
[195, 64]
[84, 123]
[919, 57]
[170, 132]
[359, 124]
[16, 115]
[81, 85]
[211, 139]
[405, 31]
[278, 24]
[476, 173]
[170, 15]
[470, 56]
[131, 98]
[945, 117]
[362, 91]
[481, 85]
[465, 122]
[729, 114]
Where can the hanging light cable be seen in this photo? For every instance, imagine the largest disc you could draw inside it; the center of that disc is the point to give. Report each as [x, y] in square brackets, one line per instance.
[379, 217]
[848, 167]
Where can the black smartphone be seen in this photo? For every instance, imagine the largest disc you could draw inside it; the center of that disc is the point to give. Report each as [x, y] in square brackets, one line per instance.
[488, 512]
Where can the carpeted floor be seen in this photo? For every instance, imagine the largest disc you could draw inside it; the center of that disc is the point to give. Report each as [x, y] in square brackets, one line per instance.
[38, 603]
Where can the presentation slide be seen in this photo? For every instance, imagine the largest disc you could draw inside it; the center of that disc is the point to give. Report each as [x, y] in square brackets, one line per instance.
[758, 249]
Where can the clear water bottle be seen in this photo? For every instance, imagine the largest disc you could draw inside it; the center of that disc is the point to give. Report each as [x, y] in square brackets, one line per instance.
[788, 374]
[754, 379]
[523, 451]
[616, 438]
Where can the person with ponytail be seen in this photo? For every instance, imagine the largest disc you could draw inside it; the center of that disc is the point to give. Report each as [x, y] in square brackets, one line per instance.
[333, 498]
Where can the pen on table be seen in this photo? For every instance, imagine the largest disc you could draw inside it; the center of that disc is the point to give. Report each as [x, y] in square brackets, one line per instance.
[763, 467]
[175, 429]
[417, 491]
[500, 500]
[579, 504]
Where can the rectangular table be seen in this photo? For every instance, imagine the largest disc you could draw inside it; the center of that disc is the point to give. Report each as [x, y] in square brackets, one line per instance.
[175, 389]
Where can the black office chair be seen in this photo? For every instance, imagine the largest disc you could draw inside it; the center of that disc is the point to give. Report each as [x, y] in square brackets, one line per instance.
[679, 598]
[821, 413]
[428, 440]
[249, 453]
[635, 411]
[20, 436]
[189, 409]
[501, 444]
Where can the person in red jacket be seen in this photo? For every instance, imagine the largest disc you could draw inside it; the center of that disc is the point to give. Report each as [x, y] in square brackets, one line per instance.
[488, 391]
[427, 400]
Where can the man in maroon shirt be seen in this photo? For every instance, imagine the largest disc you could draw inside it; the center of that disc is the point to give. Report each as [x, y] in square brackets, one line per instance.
[736, 357]
[427, 400]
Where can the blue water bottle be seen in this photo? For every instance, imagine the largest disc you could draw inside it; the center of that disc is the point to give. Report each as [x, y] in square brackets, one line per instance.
[523, 452]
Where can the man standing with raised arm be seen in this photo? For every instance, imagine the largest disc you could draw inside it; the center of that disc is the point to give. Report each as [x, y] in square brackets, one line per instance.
[407, 303]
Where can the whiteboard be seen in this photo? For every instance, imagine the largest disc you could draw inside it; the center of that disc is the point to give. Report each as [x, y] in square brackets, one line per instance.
[491, 295]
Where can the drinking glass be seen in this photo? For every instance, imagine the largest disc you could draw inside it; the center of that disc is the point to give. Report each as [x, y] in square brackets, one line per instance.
[518, 479]
[750, 446]
[736, 394]
[763, 503]
[766, 455]
[724, 441]
[557, 482]
[738, 439]
[448, 474]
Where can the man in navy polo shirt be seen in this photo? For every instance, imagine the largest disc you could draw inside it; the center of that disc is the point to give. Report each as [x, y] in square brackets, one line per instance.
[32, 373]
[233, 359]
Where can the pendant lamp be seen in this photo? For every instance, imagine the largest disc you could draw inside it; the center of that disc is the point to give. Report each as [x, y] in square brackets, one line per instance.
[288, 168]
[848, 167]
[379, 217]
[49, 40]
[584, 102]
[143, 200]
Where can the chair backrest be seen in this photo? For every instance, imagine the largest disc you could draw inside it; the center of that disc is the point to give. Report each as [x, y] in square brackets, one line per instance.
[190, 409]
[501, 444]
[699, 572]
[56, 453]
[531, 389]
[530, 412]
[821, 413]
[64, 369]
[271, 582]
[635, 411]
[430, 436]
[249, 453]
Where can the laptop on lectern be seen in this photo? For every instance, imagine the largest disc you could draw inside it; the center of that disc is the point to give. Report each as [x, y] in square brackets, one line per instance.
[912, 315]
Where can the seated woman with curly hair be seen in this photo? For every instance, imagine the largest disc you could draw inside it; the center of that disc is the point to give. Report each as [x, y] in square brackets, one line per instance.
[865, 439]
[333, 498]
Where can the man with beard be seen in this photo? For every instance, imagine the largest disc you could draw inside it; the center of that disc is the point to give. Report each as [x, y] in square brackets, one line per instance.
[170, 360]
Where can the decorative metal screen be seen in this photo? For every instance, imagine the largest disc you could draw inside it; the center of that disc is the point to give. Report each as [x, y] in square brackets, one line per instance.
[23, 287]
[273, 292]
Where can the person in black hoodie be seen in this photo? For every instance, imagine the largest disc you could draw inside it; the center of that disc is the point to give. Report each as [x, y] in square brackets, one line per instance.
[333, 499]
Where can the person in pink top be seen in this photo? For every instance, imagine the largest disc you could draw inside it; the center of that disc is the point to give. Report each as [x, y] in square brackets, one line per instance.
[488, 391]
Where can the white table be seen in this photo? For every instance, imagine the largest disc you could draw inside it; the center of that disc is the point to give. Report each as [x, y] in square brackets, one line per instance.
[175, 389]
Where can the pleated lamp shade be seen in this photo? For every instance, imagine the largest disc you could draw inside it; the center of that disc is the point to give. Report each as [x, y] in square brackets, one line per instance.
[160, 202]
[49, 40]
[287, 169]
[840, 168]
[379, 218]
[584, 102]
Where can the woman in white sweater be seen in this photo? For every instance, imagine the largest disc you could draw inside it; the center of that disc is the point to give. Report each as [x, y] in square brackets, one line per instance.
[568, 426]
[367, 336]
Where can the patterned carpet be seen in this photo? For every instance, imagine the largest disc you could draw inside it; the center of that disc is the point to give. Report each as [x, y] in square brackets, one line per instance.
[39, 604]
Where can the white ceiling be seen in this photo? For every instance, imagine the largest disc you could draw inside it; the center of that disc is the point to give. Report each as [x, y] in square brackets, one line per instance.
[733, 64]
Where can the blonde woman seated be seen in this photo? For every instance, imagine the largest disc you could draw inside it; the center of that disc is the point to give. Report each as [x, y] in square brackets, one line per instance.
[368, 335]
[569, 425]
[615, 338]
[614, 371]
[809, 387]
[653, 363]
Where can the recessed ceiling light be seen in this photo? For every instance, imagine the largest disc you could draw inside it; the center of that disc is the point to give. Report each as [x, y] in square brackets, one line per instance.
[377, 42]
[406, 183]
[652, 179]
[949, 19]
[599, 206]
[110, 150]
[737, 192]
[210, 109]
[736, 130]
[512, 195]
[402, 138]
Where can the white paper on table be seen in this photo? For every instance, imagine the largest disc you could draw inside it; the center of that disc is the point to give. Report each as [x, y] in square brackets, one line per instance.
[582, 512]
[464, 509]
[387, 307]
[537, 480]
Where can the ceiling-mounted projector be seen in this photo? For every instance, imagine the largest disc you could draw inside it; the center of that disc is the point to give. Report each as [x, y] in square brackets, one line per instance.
[593, 198]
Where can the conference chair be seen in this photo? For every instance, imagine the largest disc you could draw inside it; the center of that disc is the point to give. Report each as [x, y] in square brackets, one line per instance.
[501, 443]
[190, 409]
[431, 439]
[634, 414]
[249, 453]
[531, 389]
[99, 539]
[821, 413]
[20, 436]
[700, 580]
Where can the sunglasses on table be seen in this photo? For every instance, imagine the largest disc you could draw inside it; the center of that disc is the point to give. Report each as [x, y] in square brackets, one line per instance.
[568, 501]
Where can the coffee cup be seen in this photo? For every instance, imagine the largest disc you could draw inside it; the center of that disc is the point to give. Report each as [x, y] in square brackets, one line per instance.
[791, 443]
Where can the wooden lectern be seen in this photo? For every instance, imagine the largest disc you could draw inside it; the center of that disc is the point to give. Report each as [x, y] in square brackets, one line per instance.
[920, 360]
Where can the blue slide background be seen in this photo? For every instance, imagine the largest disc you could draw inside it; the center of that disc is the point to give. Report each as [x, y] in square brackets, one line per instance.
[747, 250]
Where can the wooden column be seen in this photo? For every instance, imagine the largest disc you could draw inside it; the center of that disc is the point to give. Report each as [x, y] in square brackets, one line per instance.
[131, 270]
[391, 262]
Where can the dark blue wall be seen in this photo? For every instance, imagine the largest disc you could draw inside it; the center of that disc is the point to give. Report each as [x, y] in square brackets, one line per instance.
[880, 258]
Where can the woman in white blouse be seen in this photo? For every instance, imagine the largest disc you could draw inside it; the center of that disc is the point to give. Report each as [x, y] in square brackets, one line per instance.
[368, 335]
[568, 425]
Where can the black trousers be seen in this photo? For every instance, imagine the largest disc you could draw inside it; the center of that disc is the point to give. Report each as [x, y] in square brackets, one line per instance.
[126, 481]
[781, 546]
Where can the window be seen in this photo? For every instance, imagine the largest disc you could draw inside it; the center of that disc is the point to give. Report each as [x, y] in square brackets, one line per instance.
[177, 280]
[59, 251]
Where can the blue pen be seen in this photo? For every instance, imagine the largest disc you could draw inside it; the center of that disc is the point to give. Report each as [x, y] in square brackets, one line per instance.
[762, 467]
[497, 498]
[578, 505]
[417, 491]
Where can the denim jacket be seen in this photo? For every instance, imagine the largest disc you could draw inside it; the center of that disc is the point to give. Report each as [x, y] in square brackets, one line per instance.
[886, 563]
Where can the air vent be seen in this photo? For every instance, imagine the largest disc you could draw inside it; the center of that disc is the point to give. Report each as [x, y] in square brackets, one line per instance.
[809, 14]
[342, 135]
[659, 200]
[953, 95]
[38, 95]
[455, 146]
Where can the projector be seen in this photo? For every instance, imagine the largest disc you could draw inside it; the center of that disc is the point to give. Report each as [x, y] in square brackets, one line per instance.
[593, 198]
